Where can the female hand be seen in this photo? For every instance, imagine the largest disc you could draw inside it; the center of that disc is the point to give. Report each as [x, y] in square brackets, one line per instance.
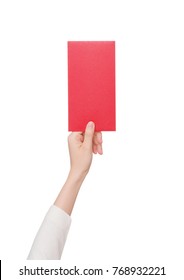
[82, 145]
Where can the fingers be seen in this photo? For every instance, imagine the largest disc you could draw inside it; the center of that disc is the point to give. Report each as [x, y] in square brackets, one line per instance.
[97, 139]
[97, 143]
[90, 138]
[94, 149]
[99, 149]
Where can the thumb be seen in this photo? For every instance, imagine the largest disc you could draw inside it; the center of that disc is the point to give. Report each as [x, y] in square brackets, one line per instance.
[88, 136]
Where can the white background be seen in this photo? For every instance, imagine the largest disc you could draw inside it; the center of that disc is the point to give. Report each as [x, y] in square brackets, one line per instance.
[130, 208]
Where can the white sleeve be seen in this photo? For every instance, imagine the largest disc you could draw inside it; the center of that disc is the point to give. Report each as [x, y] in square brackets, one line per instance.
[50, 239]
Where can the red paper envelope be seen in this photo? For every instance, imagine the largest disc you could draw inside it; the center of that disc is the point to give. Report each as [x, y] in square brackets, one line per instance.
[91, 85]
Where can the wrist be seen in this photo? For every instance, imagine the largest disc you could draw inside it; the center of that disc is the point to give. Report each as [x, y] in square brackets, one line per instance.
[76, 175]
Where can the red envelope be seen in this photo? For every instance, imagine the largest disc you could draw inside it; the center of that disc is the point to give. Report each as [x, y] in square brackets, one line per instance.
[91, 85]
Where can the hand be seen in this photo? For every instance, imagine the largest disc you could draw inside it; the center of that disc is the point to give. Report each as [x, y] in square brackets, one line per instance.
[81, 148]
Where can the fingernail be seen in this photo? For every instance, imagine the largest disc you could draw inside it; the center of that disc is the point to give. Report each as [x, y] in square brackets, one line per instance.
[90, 125]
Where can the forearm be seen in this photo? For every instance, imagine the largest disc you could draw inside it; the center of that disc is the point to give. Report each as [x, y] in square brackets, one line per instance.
[68, 194]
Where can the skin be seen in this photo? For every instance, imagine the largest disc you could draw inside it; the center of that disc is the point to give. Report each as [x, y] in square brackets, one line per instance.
[82, 146]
